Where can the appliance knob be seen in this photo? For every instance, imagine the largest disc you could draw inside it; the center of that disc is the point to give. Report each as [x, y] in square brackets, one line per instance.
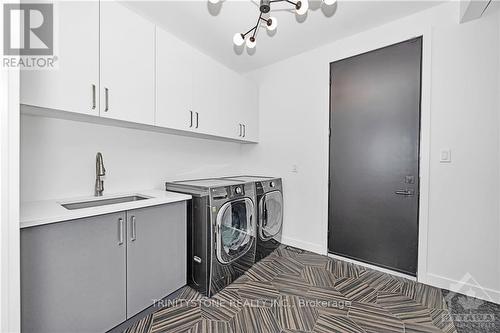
[238, 190]
[272, 184]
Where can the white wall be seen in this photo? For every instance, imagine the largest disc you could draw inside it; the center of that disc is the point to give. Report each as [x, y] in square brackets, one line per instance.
[460, 201]
[58, 158]
[464, 198]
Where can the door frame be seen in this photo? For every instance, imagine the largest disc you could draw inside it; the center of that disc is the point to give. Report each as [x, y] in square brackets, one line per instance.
[10, 278]
[424, 150]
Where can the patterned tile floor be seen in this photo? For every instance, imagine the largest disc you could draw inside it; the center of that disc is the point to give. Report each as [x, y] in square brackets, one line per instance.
[299, 291]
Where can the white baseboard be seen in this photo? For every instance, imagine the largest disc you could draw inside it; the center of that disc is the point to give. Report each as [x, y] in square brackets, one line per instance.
[465, 287]
[380, 269]
[303, 245]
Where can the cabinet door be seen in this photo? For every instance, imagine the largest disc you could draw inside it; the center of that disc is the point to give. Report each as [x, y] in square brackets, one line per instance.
[249, 111]
[156, 257]
[127, 65]
[233, 101]
[174, 82]
[73, 275]
[208, 96]
[73, 86]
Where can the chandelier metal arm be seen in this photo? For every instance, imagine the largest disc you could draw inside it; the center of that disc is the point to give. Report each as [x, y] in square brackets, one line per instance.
[301, 7]
[249, 31]
[293, 3]
[257, 25]
[254, 28]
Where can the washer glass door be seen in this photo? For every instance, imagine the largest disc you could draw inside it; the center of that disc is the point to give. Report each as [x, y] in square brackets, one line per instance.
[270, 215]
[235, 229]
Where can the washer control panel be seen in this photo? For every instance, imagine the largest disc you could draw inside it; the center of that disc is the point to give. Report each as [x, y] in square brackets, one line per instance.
[238, 191]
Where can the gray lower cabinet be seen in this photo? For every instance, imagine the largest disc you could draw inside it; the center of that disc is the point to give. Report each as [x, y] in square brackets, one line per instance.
[73, 275]
[156, 254]
[91, 274]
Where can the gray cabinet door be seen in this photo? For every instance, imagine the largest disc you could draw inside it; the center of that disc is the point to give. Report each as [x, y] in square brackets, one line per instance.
[156, 254]
[73, 275]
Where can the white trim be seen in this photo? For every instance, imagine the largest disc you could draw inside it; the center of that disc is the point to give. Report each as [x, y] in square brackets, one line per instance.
[471, 289]
[10, 304]
[377, 268]
[425, 155]
[303, 245]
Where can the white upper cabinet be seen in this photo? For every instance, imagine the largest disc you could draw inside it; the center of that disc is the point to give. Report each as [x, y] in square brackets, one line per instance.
[114, 63]
[73, 85]
[196, 93]
[249, 110]
[240, 105]
[233, 102]
[174, 83]
[127, 65]
[208, 95]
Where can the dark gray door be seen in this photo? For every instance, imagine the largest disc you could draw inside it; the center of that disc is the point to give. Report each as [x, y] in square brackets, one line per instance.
[374, 154]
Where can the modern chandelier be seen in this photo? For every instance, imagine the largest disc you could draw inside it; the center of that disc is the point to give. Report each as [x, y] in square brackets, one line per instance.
[301, 7]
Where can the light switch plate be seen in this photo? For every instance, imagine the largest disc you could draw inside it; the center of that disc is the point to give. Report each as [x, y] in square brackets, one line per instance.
[445, 156]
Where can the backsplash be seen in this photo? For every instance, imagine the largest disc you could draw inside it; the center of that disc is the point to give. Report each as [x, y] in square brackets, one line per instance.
[58, 158]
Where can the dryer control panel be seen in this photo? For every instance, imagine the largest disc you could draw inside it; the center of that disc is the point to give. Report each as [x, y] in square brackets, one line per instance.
[269, 185]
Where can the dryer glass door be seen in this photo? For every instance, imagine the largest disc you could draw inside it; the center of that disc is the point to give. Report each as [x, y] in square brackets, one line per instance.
[270, 215]
[235, 229]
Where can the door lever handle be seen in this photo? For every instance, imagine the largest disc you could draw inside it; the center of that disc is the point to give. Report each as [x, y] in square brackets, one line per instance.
[407, 192]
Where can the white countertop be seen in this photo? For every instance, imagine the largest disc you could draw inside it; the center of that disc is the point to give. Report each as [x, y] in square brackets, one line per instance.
[49, 211]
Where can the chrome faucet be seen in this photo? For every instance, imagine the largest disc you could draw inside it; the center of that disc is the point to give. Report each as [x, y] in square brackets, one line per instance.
[99, 172]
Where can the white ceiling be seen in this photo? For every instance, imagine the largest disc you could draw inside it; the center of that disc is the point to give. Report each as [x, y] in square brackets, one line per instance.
[210, 28]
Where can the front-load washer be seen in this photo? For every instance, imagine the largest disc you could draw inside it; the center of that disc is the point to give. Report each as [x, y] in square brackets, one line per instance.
[221, 231]
[270, 212]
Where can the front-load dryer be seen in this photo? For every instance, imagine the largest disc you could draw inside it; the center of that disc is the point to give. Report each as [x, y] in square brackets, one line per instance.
[270, 212]
[221, 231]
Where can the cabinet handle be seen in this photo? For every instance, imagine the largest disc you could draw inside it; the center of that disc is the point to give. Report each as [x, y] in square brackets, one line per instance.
[244, 130]
[239, 134]
[106, 98]
[191, 124]
[197, 119]
[133, 232]
[93, 97]
[120, 231]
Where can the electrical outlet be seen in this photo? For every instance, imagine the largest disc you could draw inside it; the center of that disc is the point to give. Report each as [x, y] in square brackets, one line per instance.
[445, 156]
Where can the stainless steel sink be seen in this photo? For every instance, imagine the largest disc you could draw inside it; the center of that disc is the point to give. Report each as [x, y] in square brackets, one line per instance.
[102, 202]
